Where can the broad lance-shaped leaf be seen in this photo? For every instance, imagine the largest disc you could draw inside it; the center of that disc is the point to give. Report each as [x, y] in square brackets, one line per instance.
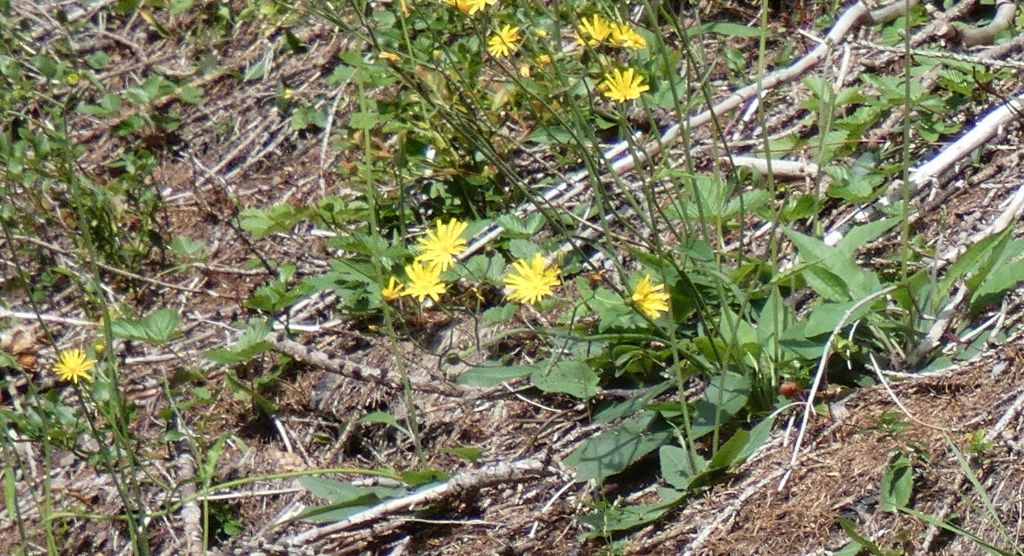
[566, 377]
[725, 396]
[612, 451]
[832, 272]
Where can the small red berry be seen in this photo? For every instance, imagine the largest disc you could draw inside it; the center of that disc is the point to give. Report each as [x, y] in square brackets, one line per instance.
[789, 389]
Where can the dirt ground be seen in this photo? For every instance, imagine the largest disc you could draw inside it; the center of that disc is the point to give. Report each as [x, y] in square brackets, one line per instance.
[236, 151]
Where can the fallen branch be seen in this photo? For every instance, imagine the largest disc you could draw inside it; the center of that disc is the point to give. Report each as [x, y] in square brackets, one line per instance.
[785, 169]
[975, 35]
[355, 371]
[468, 481]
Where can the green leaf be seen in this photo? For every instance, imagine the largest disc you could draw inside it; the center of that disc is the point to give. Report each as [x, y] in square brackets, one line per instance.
[679, 468]
[729, 452]
[470, 453]
[851, 531]
[259, 69]
[417, 477]
[1001, 278]
[249, 345]
[156, 328]
[500, 314]
[337, 491]
[384, 418]
[825, 317]
[522, 249]
[831, 272]
[486, 376]
[8, 361]
[858, 236]
[972, 259]
[725, 396]
[616, 517]
[734, 29]
[613, 450]
[263, 222]
[775, 316]
[10, 492]
[758, 436]
[897, 483]
[614, 411]
[364, 120]
[209, 467]
[346, 500]
[567, 377]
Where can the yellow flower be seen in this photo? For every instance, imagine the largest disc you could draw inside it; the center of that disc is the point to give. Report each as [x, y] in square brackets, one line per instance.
[622, 85]
[72, 365]
[624, 35]
[504, 41]
[650, 298]
[524, 70]
[393, 291]
[470, 7]
[442, 245]
[424, 281]
[543, 60]
[594, 31]
[389, 56]
[529, 282]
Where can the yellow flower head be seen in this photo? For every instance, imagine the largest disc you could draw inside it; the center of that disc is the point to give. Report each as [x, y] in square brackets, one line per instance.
[543, 60]
[650, 298]
[389, 56]
[622, 85]
[624, 35]
[393, 291]
[594, 31]
[470, 7]
[443, 244]
[504, 41]
[530, 282]
[72, 365]
[424, 281]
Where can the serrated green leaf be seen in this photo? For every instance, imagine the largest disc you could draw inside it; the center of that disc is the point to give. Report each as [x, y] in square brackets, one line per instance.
[158, 327]
[364, 120]
[522, 249]
[500, 314]
[249, 345]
